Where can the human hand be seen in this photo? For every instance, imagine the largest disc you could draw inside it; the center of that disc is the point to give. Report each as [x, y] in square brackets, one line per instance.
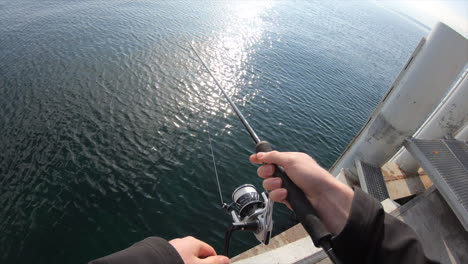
[331, 198]
[301, 169]
[194, 251]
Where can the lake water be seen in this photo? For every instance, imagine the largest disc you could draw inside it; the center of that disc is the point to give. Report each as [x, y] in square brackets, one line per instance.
[103, 111]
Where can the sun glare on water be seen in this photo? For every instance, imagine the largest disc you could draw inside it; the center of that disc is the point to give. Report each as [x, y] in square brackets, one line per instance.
[230, 51]
[250, 9]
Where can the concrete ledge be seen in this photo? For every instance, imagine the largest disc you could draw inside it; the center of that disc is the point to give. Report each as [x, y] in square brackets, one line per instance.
[293, 252]
[293, 234]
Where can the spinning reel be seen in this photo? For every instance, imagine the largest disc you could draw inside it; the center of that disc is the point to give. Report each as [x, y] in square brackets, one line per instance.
[249, 213]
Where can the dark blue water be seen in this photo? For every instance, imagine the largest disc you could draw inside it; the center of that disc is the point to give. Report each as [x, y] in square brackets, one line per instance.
[103, 111]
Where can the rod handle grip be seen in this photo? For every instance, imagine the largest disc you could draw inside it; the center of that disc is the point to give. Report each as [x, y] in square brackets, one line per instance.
[304, 211]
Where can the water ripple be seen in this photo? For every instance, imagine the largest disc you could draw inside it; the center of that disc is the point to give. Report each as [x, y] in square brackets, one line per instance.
[104, 111]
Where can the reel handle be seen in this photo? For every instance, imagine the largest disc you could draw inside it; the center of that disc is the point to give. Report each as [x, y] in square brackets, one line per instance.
[305, 212]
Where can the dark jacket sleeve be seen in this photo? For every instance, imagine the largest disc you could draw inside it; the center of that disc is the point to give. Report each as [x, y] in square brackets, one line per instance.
[149, 250]
[373, 236]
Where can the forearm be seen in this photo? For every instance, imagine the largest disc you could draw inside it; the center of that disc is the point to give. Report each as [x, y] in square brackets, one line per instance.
[333, 204]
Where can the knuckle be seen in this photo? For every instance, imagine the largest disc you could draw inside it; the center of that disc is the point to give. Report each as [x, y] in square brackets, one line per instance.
[270, 169]
[273, 154]
[267, 184]
[289, 160]
[265, 171]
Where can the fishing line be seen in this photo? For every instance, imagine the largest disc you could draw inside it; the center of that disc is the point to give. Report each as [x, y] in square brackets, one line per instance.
[211, 145]
[214, 161]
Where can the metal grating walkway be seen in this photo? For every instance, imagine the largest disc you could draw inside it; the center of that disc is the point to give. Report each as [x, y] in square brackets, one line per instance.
[372, 180]
[446, 163]
[459, 150]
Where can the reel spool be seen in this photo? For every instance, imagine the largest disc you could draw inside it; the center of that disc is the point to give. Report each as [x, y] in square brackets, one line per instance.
[250, 213]
[247, 200]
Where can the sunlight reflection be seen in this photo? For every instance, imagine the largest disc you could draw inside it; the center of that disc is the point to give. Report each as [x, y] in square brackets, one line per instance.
[250, 9]
[228, 54]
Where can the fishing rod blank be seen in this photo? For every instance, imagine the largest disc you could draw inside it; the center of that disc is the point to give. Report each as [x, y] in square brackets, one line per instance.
[304, 211]
[246, 124]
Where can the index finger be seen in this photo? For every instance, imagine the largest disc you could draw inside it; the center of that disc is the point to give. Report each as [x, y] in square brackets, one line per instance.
[259, 158]
[253, 158]
[272, 157]
[205, 250]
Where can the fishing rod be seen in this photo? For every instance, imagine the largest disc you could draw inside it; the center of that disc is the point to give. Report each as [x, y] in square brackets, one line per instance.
[251, 214]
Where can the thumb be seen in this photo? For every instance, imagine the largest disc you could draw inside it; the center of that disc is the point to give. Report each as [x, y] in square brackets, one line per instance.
[274, 157]
[214, 260]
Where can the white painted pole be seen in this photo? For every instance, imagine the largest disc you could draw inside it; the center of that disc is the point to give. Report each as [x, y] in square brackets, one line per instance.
[449, 117]
[404, 108]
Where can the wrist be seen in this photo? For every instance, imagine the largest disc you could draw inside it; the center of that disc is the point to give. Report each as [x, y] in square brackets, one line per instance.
[333, 204]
